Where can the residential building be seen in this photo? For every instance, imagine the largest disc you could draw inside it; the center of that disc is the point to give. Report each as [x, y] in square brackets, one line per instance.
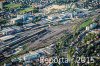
[97, 31]
[16, 20]
[8, 31]
[92, 26]
[87, 28]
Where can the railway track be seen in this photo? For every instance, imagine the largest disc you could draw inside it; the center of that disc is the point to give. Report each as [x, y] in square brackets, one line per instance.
[24, 40]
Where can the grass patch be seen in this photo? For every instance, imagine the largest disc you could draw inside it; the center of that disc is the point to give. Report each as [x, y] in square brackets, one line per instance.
[86, 23]
[27, 10]
[12, 6]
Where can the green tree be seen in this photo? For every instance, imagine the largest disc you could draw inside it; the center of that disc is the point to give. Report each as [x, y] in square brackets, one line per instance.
[2, 23]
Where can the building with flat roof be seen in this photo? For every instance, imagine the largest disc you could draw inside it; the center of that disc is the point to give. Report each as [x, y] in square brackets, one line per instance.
[19, 18]
[4, 38]
[7, 31]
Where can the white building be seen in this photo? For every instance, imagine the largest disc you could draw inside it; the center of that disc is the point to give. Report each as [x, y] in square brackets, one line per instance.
[92, 26]
[52, 17]
[29, 25]
[87, 28]
[4, 38]
[7, 31]
[17, 19]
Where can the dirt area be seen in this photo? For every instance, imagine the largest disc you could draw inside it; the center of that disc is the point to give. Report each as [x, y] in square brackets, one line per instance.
[54, 7]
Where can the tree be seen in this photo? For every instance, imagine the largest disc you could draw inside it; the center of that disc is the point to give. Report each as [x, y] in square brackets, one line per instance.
[2, 23]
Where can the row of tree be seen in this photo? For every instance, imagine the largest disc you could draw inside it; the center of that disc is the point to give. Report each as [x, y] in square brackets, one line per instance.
[2, 23]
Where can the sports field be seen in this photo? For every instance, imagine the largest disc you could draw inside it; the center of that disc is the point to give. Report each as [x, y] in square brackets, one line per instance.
[86, 23]
[12, 6]
[26, 10]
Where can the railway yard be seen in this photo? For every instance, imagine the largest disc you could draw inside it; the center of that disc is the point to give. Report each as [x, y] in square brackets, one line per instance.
[32, 29]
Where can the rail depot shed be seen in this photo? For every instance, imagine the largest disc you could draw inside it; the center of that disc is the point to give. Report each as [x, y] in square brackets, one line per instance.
[5, 38]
